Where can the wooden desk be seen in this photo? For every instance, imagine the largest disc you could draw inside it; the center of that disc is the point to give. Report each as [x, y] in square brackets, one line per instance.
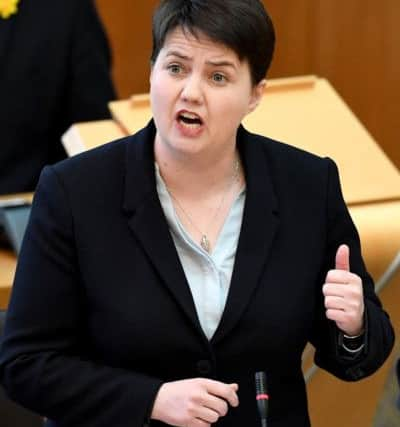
[8, 260]
[8, 263]
[307, 113]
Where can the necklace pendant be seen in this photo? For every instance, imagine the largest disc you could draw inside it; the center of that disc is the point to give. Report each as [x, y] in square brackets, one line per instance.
[205, 243]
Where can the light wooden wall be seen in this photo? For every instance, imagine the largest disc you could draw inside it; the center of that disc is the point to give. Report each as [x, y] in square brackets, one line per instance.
[355, 44]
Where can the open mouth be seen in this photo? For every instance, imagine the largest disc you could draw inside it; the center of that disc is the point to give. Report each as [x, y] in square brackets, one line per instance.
[189, 119]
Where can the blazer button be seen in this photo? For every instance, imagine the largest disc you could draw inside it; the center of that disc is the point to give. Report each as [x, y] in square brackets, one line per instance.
[204, 367]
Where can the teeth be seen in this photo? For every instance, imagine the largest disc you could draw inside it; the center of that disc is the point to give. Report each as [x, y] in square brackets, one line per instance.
[190, 116]
[190, 120]
[191, 125]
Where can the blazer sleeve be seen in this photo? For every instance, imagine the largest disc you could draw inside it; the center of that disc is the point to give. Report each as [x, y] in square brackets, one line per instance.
[42, 365]
[379, 335]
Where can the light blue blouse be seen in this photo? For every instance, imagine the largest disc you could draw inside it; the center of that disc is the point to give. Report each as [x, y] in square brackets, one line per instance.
[208, 275]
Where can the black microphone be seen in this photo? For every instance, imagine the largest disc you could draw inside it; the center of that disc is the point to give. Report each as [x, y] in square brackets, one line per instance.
[262, 396]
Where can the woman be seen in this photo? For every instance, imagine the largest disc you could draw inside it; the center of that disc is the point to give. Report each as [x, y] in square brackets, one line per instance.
[160, 272]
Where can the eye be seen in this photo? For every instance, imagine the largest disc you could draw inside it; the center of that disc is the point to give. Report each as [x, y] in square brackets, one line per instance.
[219, 78]
[174, 68]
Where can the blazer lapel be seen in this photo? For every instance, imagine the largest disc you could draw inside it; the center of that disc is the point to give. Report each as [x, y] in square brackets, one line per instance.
[147, 221]
[259, 225]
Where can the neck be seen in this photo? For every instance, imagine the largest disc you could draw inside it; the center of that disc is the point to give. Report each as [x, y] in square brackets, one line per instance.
[196, 175]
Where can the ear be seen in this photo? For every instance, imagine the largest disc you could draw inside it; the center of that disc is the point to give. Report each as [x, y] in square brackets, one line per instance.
[257, 93]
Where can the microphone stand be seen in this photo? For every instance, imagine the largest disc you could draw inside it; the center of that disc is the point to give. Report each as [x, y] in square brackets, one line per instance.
[262, 396]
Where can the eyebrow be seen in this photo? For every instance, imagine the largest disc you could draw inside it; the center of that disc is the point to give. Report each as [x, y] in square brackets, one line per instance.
[177, 54]
[222, 64]
[213, 63]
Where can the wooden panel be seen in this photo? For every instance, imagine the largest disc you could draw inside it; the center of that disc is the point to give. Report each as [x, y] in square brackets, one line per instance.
[357, 47]
[294, 27]
[128, 24]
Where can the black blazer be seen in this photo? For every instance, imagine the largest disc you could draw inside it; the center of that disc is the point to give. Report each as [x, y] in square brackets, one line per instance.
[54, 71]
[101, 313]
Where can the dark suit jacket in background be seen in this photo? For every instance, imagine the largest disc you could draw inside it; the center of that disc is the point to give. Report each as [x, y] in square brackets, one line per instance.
[101, 313]
[54, 71]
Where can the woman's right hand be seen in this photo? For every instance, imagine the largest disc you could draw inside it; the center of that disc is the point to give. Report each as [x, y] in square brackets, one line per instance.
[197, 402]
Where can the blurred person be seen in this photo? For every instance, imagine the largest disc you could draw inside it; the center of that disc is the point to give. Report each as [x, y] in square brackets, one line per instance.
[54, 71]
[161, 271]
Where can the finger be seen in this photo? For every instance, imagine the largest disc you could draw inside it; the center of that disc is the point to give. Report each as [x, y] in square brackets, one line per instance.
[349, 305]
[225, 391]
[338, 316]
[349, 323]
[345, 290]
[199, 423]
[335, 303]
[338, 276]
[334, 290]
[341, 276]
[342, 261]
[216, 404]
[207, 415]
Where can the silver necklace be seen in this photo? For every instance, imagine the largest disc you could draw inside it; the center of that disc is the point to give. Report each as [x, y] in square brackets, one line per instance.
[204, 241]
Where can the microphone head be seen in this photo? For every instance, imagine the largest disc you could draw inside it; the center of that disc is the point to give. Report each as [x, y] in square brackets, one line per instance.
[261, 383]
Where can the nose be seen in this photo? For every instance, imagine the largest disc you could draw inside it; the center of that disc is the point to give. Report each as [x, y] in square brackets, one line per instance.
[192, 90]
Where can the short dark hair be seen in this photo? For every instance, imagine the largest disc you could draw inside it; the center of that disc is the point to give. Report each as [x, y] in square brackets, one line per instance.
[242, 25]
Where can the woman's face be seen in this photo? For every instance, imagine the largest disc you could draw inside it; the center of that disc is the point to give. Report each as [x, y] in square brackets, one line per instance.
[200, 92]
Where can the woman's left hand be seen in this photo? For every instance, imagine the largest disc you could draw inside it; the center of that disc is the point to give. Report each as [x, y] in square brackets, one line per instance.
[344, 299]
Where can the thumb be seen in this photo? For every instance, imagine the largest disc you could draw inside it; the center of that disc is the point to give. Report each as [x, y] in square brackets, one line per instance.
[342, 261]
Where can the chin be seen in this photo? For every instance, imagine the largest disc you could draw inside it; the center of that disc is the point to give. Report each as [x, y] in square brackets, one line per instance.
[187, 145]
